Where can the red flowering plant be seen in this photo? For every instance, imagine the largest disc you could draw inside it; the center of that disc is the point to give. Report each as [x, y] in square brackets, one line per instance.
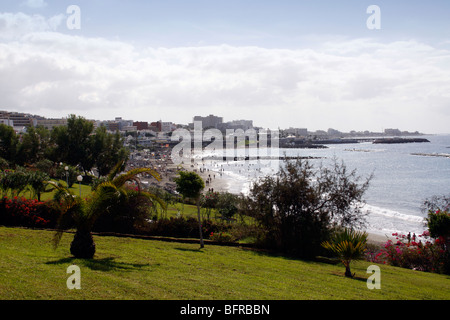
[413, 252]
[221, 236]
[20, 211]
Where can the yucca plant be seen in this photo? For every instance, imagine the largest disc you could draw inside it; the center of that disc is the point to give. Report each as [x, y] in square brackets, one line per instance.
[348, 245]
[105, 199]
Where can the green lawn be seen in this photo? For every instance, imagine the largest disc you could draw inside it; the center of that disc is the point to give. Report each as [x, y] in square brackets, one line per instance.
[126, 268]
[77, 189]
[86, 190]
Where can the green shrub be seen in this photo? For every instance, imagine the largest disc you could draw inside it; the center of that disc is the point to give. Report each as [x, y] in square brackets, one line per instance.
[179, 227]
[125, 216]
[439, 223]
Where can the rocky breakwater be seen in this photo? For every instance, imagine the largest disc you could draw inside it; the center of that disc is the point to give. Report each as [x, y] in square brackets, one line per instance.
[400, 140]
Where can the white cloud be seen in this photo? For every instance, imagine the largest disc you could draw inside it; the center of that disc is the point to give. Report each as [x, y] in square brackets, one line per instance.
[15, 25]
[35, 3]
[358, 84]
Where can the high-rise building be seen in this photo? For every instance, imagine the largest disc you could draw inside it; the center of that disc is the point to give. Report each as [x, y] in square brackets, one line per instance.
[210, 121]
[17, 119]
[51, 123]
[239, 124]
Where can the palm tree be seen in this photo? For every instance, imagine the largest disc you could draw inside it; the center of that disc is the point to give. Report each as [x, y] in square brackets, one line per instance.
[349, 245]
[36, 182]
[106, 198]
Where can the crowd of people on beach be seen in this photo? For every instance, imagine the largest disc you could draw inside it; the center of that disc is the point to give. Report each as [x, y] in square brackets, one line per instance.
[218, 174]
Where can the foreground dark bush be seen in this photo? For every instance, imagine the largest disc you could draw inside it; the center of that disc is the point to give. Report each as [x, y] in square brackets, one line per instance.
[297, 208]
[125, 216]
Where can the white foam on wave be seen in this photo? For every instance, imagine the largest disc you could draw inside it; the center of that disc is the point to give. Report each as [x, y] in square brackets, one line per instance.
[388, 221]
[393, 214]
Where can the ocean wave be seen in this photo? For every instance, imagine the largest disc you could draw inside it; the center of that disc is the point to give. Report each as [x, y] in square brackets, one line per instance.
[388, 221]
[393, 214]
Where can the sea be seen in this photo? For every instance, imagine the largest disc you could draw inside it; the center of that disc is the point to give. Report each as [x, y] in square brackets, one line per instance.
[404, 176]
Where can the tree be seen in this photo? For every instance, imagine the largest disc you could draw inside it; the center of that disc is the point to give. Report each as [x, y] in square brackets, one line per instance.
[71, 142]
[77, 144]
[209, 202]
[46, 166]
[33, 146]
[8, 143]
[298, 207]
[227, 205]
[348, 245]
[69, 175]
[36, 181]
[127, 212]
[190, 185]
[106, 150]
[106, 198]
[72, 213]
[436, 203]
[3, 164]
[14, 182]
[438, 222]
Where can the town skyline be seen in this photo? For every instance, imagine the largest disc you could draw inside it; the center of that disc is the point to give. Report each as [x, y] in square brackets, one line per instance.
[321, 64]
[209, 121]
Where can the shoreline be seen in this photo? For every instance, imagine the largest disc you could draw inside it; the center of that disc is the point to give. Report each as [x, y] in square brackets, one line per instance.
[378, 239]
[222, 181]
[168, 171]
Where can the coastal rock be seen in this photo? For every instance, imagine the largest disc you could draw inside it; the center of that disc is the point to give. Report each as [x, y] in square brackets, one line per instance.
[400, 140]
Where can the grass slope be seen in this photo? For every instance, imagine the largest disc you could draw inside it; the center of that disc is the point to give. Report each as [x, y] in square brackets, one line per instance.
[126, 268]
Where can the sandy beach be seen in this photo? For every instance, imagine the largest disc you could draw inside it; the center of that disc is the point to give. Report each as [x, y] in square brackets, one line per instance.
[379, 239]
[167, 170]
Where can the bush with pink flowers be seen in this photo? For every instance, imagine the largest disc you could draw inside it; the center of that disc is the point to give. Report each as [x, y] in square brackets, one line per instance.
[418, 253]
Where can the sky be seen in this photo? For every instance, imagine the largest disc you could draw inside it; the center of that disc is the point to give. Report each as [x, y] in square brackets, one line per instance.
[300, 63]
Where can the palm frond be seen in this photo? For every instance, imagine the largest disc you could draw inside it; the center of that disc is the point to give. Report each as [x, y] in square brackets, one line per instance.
[71, 208]
[61, 192]
[132, 176]
[347, 244]
[106, 196]
[117, 168]
[153, 197]
[72, 213]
